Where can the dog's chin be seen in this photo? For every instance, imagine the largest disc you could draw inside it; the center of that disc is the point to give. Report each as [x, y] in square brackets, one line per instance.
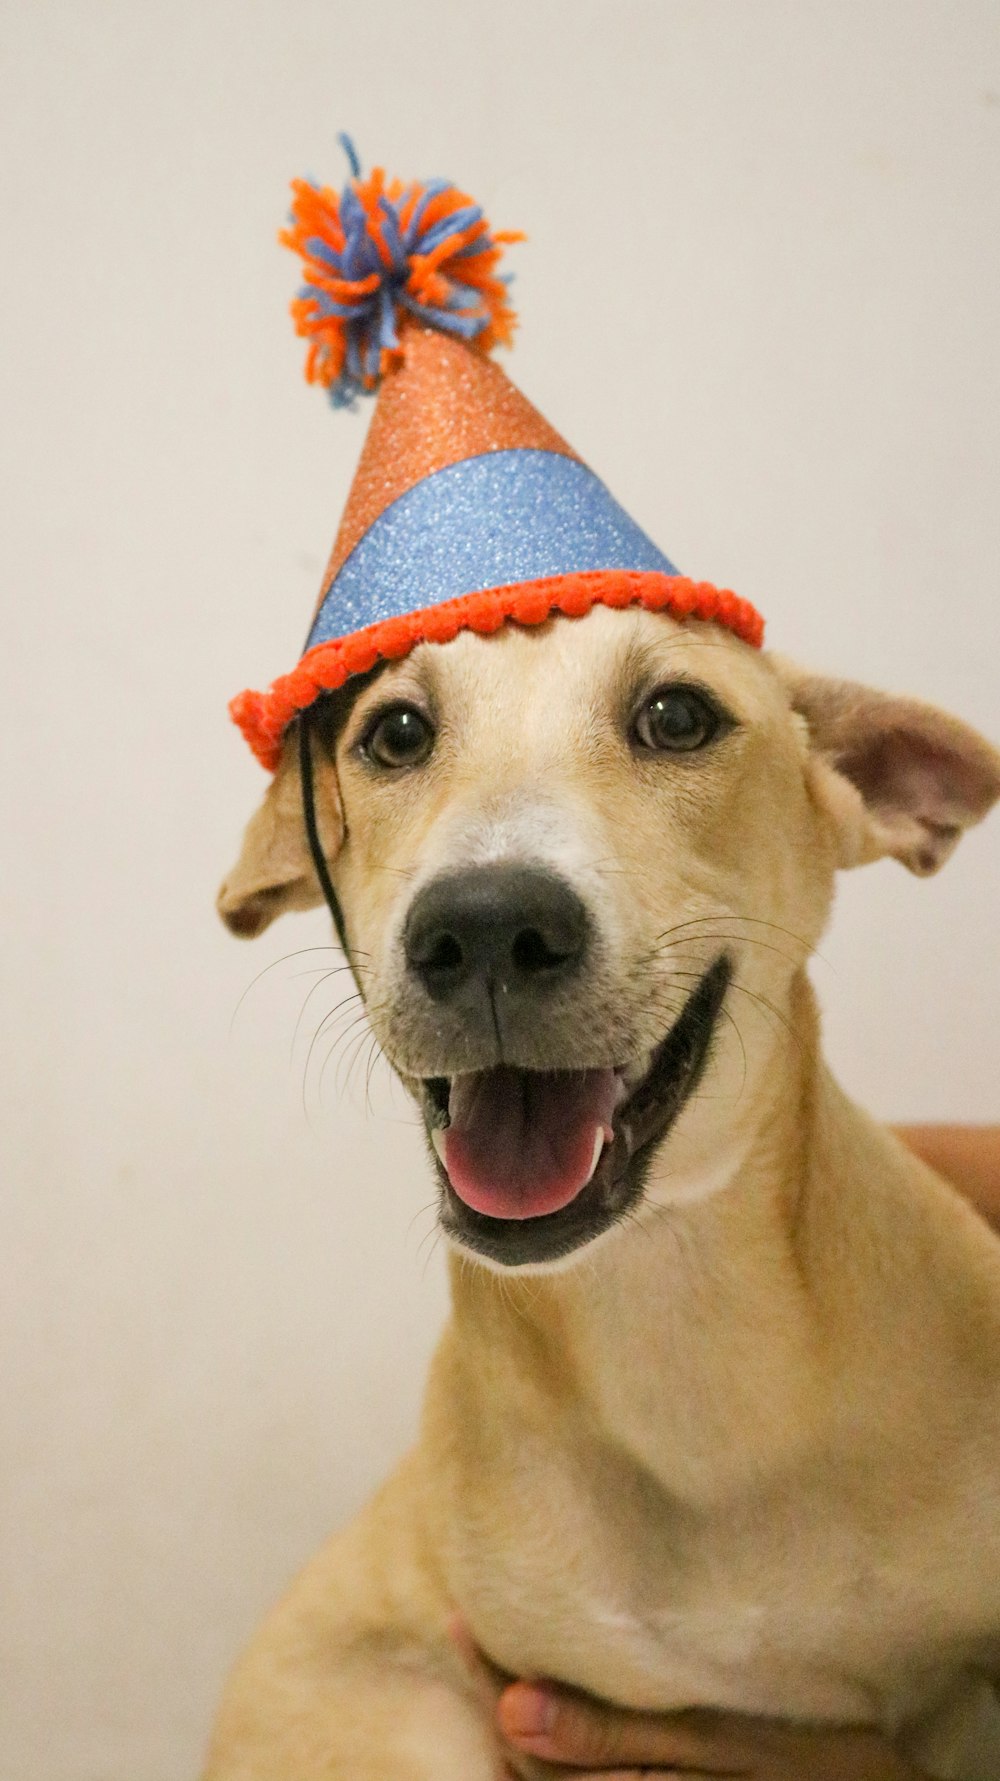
[634, 1110]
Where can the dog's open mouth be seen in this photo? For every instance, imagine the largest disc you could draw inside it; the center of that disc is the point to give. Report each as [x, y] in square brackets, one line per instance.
[534, 1163]
[522, 1143]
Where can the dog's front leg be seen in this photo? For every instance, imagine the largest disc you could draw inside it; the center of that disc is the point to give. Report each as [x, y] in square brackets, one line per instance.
[353, 1676]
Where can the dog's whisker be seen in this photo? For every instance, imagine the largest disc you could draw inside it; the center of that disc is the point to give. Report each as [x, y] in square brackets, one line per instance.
[328, 1019]
[730, 1017]
[300, 1021]
[396, 871]
[799, 1039]
[509, 1298]
[730, 916]
[431, 1237]
[717, 936]
[375, 1056]
[770, 1007]
[339, 1051]
[431, 1206]
[318, 971]
[299, 952]
[348, 1005]
[437, 1238]
[354, 1019]
[354, 1048]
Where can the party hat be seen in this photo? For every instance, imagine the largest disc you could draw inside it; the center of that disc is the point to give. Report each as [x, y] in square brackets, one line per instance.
[468, 511]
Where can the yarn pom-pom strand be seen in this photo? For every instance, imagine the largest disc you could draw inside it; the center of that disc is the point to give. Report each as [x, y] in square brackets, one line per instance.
[379, 252]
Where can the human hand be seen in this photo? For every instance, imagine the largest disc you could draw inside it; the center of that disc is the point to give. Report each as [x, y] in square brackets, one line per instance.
[966, 1155]
[582, 1739]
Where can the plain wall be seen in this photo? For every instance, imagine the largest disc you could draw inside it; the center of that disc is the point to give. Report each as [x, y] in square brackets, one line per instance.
[760, 296]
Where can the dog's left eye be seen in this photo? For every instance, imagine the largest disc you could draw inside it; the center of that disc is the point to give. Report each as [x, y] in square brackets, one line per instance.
[677, 718]
[400, 737]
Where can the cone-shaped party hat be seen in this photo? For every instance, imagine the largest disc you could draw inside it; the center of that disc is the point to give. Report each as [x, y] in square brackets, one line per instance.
[467, 509]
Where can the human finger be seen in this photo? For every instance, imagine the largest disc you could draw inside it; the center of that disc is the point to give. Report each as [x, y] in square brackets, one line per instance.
[569, 1729]
[562, 1726]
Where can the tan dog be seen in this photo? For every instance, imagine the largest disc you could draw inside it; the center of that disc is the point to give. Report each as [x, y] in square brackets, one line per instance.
[716, 1419]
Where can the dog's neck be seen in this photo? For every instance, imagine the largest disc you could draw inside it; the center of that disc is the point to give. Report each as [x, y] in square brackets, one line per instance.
[717, 1339]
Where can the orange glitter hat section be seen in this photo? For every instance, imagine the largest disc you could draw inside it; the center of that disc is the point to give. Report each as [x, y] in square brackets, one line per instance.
[443, 403]
[264, 717]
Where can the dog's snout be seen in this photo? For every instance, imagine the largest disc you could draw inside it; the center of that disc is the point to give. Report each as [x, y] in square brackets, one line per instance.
[509, 927]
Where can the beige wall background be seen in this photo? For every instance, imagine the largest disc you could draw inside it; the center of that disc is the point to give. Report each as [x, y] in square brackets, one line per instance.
[761, 297]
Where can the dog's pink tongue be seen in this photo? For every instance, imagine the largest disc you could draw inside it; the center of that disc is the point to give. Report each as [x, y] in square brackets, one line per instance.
[521, 1142]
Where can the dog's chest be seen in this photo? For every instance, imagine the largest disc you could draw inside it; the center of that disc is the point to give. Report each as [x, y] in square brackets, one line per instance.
[603, 1580]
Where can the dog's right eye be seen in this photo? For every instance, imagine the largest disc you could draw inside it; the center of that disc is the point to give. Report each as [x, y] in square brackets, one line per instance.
[678, 719]
[399, 737]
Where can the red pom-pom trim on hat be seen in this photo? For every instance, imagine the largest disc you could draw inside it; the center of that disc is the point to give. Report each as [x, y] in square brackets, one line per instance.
[264, 717]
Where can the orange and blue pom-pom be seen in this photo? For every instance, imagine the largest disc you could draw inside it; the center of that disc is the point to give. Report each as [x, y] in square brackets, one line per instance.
[380, 252]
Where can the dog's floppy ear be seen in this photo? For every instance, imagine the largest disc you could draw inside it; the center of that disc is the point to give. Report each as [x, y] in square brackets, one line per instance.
[275, 871]
[897, 777]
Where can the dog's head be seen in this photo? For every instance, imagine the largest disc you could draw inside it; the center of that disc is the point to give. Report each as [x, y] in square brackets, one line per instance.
[580, 869]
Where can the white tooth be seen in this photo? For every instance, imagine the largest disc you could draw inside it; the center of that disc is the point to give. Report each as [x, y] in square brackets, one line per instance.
[598, 1147]
[437, 1139]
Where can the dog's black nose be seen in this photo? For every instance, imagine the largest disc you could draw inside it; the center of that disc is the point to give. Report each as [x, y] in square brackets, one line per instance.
[504, 927]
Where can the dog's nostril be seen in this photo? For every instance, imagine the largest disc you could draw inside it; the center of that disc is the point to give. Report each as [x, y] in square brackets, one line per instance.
[532, 953]
[445, 955]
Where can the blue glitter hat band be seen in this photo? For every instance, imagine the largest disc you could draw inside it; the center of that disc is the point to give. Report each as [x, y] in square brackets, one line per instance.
[485, 522]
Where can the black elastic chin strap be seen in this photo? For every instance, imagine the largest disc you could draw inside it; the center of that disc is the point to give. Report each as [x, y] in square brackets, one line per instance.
[312, 832]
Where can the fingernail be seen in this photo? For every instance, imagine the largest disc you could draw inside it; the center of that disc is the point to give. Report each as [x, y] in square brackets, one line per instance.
[526, 1712]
